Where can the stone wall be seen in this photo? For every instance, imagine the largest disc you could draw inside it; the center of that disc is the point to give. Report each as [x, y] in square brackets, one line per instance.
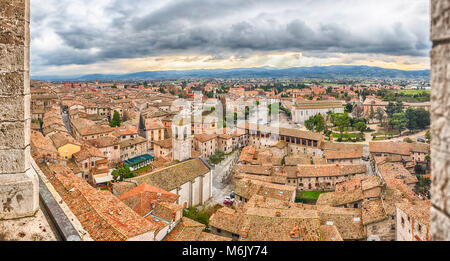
[440, 118]
[18, 181]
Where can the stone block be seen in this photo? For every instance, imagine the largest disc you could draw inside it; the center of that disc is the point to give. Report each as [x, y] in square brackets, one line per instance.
[15, 108]
[15, 83]
[14, 135]
[440, 225]
[440, 78]
[13, 9]
[12, 31]
[14, 160]
[14, 58]
[440, 20]
[19, 195]
[440, 166]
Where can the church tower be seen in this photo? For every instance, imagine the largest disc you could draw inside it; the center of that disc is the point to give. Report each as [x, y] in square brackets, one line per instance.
[181, 139]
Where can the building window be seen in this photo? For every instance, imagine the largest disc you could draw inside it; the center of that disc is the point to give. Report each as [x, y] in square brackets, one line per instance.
[219, 230]
[374, 228]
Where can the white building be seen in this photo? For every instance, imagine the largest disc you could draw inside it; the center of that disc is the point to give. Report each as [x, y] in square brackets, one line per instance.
[191, 180]
[413, 221]
[303, 110]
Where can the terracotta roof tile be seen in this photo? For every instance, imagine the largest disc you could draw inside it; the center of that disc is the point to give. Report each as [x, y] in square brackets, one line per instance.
[103, 216]
[174, 176]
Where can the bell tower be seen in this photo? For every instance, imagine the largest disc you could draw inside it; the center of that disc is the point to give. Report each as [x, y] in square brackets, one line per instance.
[181, 139]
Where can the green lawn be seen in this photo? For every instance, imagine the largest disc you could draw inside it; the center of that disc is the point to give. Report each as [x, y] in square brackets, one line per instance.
[348, 136]
[310, 194]
[308, 197]
[143, 169]
[385, 133]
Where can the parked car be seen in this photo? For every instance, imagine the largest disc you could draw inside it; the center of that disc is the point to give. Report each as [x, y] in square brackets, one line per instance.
[421, 140]
[232, 195]
[227, 202]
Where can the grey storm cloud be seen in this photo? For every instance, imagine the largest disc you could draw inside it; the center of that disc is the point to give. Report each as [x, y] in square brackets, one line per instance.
[138, 28]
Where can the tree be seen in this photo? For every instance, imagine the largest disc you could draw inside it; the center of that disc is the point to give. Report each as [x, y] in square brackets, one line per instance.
[115, 122]
[122, 173]
[408, 140]
[342, 121]
[348, 108]
[393, 108]
[412, 119]
[316, 123]
[423, 118]
[309, 123]
[364, 94]
[201, 216]
[423, 185]
[380, 114]
[417, 118]
[398, 121]
[361, 126]
[428, 136]
[209, 94]
[320, 123]
[247, 112]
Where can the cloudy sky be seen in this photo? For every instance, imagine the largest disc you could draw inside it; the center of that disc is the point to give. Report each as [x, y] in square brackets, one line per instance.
[74, 37]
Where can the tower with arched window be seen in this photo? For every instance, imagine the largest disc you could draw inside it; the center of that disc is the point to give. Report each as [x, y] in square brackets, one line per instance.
[181, 139]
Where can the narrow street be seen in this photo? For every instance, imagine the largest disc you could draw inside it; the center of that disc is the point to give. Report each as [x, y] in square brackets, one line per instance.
[222, 185]
[65, 119]
[368, 165]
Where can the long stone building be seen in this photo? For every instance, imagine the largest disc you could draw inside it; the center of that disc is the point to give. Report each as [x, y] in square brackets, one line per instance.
[303, 110]
[297, 141]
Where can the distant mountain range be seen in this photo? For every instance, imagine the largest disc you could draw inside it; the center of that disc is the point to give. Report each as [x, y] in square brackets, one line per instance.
[317, 72]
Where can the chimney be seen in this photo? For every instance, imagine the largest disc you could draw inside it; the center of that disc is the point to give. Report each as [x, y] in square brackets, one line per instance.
[295, 233]
[244, 232]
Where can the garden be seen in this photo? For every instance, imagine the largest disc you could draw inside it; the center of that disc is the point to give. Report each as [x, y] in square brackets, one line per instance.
[308, 197]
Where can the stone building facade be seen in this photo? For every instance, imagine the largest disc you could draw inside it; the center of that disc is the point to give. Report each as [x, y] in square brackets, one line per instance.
[440, 119]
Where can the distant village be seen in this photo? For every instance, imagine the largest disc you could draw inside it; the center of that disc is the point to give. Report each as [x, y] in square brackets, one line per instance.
[237, 160]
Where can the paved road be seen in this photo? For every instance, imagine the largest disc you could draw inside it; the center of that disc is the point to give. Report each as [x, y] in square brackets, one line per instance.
[366, 154]
[222, 185]
[65, 119]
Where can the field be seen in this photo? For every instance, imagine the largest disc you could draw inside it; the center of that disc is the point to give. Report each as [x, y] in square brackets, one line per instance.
[414, 92]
